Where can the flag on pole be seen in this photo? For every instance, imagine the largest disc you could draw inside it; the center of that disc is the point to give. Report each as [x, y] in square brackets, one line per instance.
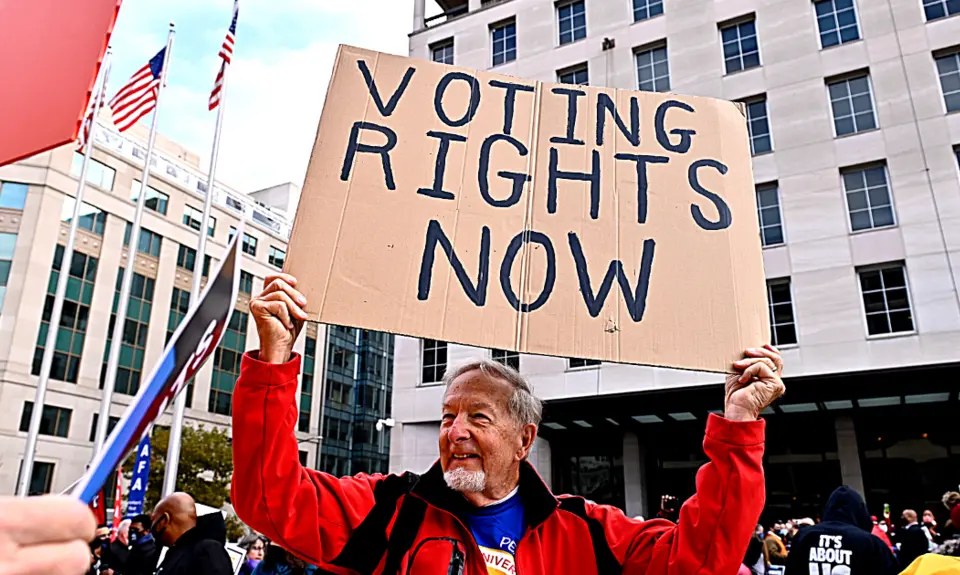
[88, 121]
[226, 53]
[117, 505]
[138, 97]
[141, 473]
[99, 508]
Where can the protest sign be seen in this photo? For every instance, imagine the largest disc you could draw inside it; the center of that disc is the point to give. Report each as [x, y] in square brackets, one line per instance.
[563, 220]
[195, 340]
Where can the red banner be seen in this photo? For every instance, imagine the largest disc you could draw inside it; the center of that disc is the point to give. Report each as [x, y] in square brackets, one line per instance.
[117, 505]
[50, 55]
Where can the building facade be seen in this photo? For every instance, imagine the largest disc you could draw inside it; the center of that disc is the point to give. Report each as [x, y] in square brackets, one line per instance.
[853, 109]
[37, 197]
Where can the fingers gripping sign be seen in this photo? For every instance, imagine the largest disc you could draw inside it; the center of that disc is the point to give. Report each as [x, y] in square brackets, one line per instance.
[279, 314]
[756, 384]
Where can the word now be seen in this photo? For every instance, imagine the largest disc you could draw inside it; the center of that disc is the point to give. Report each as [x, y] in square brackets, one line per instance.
[676, 140]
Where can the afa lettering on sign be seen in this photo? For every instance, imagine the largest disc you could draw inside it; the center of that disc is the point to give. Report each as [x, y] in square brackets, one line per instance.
[477, 208]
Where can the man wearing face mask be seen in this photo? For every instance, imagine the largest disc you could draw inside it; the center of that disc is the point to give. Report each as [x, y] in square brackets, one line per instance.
[142, 559]
[195, 545]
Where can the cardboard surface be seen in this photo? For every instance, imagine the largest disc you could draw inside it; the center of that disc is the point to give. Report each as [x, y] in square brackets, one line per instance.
[375, 229]
[50, 55]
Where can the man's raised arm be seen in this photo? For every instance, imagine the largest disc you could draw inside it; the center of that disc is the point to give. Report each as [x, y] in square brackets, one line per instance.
[305, 511]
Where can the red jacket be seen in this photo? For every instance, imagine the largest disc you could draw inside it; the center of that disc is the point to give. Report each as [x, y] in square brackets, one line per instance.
[315, 515]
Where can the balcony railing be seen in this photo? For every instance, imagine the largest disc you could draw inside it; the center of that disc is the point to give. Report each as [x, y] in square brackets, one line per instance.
[195, 182]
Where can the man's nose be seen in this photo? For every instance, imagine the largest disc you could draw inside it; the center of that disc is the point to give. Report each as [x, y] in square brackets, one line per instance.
[459, 431]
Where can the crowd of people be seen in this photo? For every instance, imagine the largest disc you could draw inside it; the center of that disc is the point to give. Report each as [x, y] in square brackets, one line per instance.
[847, 535]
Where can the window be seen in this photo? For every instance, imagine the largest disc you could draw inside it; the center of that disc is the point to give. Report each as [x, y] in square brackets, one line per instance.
[246, 282]
[577, 76]
[13, 195]
[68, 349]
[886, 300]
[156, 200]
[98, 173]
[226, 364]
[740, 49]
[653, 70]
[574, 363]
[852, 105]
[306, 384]
[149, 242]
[111, 423]
[186, 258]
[55, 420]
[572, 19]
[510, 358]
[936, 9]
[643, 9]
[91, 218]
[192, 217]
[134, 337]
[41, 480]
[504, 43]
[434, 360]
[783, 328]
[179, 306]
[948, 67]
[758, 125]
[837, 21]
[231, 234]
[249, 244]
[768, 209]
[8, 243]
[303, 458]
[868, 198]
[443, 52]
[276, 257]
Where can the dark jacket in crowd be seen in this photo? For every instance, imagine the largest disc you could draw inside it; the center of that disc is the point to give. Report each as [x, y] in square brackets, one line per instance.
[842, 538]
[143, 556]
[913, 543]
[114, 556]
[200, 551]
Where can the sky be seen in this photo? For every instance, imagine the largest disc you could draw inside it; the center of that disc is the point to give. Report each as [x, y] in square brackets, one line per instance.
[282, 61]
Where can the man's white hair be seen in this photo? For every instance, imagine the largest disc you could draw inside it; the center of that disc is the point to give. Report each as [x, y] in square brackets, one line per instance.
[524, 406]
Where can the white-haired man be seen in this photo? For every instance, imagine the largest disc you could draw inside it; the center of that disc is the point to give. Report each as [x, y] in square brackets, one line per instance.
[482, 508]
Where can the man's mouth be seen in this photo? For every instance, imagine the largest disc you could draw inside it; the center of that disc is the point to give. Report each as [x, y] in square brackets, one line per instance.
[465, 456]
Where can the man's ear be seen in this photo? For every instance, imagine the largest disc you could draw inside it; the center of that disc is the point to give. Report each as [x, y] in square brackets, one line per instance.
[528, 434]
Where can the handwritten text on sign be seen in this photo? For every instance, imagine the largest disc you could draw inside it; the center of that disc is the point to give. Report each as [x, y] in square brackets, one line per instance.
[427, 179]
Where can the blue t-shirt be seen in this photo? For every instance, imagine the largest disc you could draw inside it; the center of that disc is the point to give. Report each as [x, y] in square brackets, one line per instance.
[497, 529]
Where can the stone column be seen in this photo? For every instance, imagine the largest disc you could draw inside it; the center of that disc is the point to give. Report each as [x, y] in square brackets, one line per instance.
[419, 15]
[634, 476]
[848, 453]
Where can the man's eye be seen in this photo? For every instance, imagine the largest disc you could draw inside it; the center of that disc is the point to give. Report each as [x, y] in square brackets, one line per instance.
[481, 416]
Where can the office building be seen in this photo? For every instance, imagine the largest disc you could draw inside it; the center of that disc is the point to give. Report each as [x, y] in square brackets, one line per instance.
[853, 110]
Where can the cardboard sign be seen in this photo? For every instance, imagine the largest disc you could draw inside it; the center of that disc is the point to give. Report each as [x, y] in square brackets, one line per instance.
[195, 340]
[543, 218]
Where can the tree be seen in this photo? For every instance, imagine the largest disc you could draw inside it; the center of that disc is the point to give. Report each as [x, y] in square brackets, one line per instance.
[206, 465]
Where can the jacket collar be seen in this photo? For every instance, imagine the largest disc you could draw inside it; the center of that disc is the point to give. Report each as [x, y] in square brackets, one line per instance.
[538, 501]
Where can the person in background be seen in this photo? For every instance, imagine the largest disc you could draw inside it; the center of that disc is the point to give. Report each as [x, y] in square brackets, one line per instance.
[144, 552]
[951, 545]
[912, 540]
[753, 560]
[115, 553]
[842, 541]
[879, 530]
[929, 526]
[774, 551]
[951, 500]
[277, 561]
[43, 535]
[195, 545]
[255, 551]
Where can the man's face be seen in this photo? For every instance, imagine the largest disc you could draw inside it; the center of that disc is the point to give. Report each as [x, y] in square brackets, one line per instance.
[481, 445]
[137, 531]
[159, 528]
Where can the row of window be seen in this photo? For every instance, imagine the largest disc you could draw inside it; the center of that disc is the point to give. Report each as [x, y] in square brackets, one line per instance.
[883, 290]
[103, 176]
[836, 21]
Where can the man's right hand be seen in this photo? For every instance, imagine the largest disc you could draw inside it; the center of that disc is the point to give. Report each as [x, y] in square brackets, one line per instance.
[278, 312]
[44, 535]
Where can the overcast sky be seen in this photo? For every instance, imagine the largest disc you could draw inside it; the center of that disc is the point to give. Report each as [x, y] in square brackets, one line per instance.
[282, 61]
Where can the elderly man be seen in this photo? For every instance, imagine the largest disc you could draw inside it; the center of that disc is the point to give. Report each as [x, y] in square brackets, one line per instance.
[482, 508]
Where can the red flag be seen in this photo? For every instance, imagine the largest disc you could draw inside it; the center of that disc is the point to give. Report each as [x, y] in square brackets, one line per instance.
[117, 505]
[99, 508]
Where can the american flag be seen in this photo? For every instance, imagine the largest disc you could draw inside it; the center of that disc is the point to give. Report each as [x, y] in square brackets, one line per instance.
[226, 53]
[88, 122]
[138, 97]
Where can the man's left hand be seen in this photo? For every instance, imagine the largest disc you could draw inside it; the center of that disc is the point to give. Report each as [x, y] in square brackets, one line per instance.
[756, 384]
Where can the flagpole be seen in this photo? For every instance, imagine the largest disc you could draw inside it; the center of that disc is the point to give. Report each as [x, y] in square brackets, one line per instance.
[29, 450]
[121, 315]
[176, 427]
